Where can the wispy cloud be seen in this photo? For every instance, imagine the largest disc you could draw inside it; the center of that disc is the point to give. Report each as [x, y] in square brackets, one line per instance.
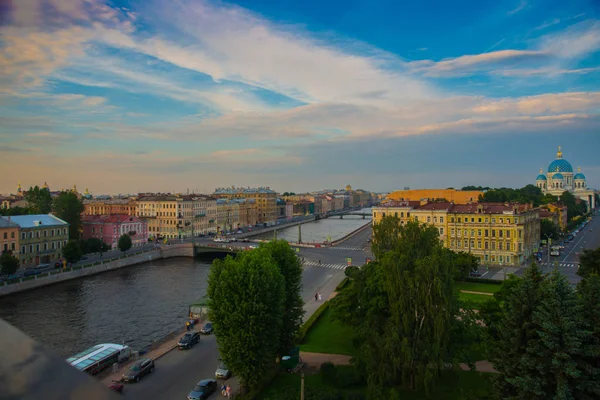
[522, 5]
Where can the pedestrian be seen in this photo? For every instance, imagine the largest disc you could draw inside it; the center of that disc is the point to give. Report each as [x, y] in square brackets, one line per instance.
[187, 325]
[224, 390]
[316, 296]
[320, 297]
[228, 391]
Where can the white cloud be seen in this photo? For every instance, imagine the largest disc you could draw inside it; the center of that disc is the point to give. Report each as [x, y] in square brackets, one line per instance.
[522, 5]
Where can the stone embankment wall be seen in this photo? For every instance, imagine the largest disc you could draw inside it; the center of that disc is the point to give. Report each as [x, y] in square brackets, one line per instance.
[55, 276]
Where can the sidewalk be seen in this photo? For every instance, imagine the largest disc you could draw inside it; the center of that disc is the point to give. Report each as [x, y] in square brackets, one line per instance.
[328, 292]
[154, 354]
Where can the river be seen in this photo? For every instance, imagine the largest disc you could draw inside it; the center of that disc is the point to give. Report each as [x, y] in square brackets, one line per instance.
[321, 230]
[134, 305]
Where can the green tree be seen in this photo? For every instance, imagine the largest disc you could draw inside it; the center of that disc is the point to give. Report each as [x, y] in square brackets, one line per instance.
[39, 200]
[69, 208]
[515, 331]
[560, 372]
[290, 268]
[404, 308]
[589, 293]
[589, 263]
[385, 235]
[246, 299]
[464, 263]
[549, 229]
[124, 243]
[9, 264]
[72, 251]
[6, 211]
[93, 245]
[575, 207]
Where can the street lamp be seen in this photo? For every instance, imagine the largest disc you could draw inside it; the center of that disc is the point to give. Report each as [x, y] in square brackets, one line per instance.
[548, 242]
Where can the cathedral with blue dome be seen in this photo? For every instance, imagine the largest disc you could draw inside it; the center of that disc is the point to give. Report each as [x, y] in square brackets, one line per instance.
[560, 178]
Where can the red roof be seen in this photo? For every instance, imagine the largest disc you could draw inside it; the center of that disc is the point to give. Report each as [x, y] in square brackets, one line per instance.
[488, 208]
[435, 206]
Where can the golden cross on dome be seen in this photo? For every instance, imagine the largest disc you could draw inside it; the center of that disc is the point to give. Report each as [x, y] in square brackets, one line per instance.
[559, 153]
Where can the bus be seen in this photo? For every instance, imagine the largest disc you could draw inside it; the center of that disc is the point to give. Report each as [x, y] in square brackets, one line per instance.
[100, 357]
[555, 251]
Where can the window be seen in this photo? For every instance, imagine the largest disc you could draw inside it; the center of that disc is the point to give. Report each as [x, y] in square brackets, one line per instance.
[479, 244]
[23, 249]
[479, 219]
[37, 234]
[58, 243]
[472, 232]
[452, 231]
[52, 233]
[458, 243]
[45, 233]
[31, 248]
[479, 232]
[507, 233]
[441, 231]
[508, 220]
[65, 231]
[64, 243]
[486, 233]
[500, 232]
[53, 246]
[442, 220]
[395, 214]
[5, 235]
[501, 220]
[501, 258]
[435, 219]
[5, 246]
[45, 246]
[472, 219]
[499, 245]
[23, 235]
[428, 219]
[486, 257]
[466, 243]
[487, 220]
[508, 259]
[472, 244]
[486, 245]
[493, 245]
[452, 220]
[493, 220]
[520, 234]
[458, 220]
[37, 248]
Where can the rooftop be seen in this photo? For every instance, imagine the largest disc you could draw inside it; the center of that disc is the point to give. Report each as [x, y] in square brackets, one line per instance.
[115, 218]
[28, 221]
[6, 222]
[249, 190]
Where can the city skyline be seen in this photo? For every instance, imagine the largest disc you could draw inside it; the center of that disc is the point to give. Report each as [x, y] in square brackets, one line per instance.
[157, 96]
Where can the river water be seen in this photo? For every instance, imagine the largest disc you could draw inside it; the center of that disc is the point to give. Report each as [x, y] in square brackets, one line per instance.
[133, 305]
[321, 230]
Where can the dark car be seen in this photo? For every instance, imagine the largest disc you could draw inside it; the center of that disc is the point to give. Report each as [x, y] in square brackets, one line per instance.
[188, 340]
[203, 389]
[207, 329]
[138, 370]
[475, 274]
[31, 272]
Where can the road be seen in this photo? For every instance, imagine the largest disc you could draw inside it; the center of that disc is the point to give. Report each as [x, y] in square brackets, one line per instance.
[178, 371]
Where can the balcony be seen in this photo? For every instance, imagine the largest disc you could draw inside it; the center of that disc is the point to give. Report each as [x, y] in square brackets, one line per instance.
[200, 215]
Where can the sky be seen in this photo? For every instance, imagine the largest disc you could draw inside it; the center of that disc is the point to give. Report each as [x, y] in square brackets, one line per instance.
[168, 95]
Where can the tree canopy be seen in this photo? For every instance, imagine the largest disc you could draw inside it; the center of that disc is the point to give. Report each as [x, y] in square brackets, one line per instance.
[9, 264]
[72, 251]
[93, 245]
[589, 263]
[124, 242]
[39, 200]
[69, 208]
[246, 298]
[549, 229]
[526, 194]
[403, 308]
[575, 207]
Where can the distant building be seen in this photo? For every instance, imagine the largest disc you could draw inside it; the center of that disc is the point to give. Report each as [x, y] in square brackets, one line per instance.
[109, 228]
[110, 207]
[265, 198]
[41, 238]
[496, 233]
[560, 178]
[451, 195]
[9, 236]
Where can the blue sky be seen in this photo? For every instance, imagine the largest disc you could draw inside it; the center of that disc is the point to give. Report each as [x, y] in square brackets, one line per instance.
[160, 95]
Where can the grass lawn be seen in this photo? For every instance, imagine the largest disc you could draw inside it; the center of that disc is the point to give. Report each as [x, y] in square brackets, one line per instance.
[327, 336]
[450, 386]
[478, 287]
[473, 300]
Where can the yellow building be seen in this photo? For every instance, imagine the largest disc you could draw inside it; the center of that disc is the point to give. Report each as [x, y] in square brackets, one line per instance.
[41, 238]
[228, 215]
[110, 207]
[561, 211]
[9, 236]
[169, 216]
[496, 233]
[451, 195]
[205, 214]
[265, 198]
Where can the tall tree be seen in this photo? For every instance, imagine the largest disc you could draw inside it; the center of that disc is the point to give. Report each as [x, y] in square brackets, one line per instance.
[14, 211]
[549, 229]
[404, 308]
[575, 207]
[385, 235]
[9, 264]
[559, 370]
[515, 330]
[291, 269]
[69, 208]
[39, 199]
[589, 292]
[246, 300]
[124, 243]
[589, 263]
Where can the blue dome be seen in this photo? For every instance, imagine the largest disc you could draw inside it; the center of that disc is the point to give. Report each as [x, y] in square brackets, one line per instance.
[579, 175]
[560, 165]
[541, 177]
[557, 176]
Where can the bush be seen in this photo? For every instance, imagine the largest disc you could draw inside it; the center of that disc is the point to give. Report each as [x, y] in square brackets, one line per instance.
[311, 321]
[328, 372]
[342, 284]
[351, 271]
[348, 377]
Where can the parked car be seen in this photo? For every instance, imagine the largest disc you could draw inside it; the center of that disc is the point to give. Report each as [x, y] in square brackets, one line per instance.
[31, 272]
[188, 340]
[207, 329]
[232, 239]
[43, 266]
[475, 274]
[222, 371]
[138, 370]
[245, 240]
[203, 389]
[253, 246]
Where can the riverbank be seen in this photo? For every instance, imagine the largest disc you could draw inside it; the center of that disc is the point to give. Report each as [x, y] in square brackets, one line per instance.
[60, 275]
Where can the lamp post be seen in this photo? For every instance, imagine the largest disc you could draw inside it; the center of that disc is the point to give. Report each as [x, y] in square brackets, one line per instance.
[548, 241]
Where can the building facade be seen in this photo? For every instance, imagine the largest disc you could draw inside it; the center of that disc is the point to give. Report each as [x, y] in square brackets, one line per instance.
[205, 214]
[110, 207]
[41, 238]
[560, 178]
[496, 233]
[9, 236]
[265, 198]
[450, 195]
[109, 228]
[168, 216]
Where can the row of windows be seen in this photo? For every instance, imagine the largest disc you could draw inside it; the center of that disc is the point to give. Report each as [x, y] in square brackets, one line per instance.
[12, 246]
[484, 220]
[53, 232]
[43, 247]
[486, 245]
[12, 235]
[500, 232]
